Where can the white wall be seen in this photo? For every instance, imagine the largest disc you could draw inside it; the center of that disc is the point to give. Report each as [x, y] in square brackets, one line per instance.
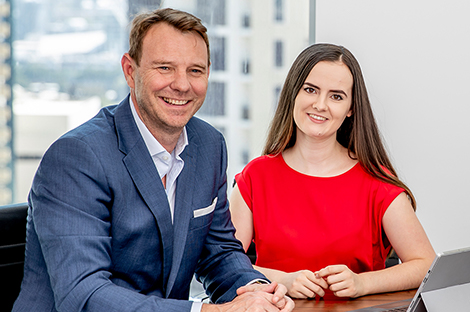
[415, 57]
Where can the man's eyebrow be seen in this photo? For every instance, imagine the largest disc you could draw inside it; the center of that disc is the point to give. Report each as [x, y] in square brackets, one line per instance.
[333, 91]
[202, 66]
[163, 62]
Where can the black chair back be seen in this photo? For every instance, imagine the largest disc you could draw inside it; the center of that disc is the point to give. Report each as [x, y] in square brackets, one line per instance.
[12, 248]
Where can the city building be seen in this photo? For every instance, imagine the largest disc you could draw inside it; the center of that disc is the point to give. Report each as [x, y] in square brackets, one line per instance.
[69, 54]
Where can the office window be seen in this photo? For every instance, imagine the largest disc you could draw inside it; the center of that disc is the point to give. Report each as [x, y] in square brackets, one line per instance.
[245, 156]
[67, 66]
[278, 53]
[245, 112]
[246, 66]
[217, 45]
[246, 21]
[6, 140]
[211, 12]
[214, 105]
[137, 6]
[278, 10]
[277, 93]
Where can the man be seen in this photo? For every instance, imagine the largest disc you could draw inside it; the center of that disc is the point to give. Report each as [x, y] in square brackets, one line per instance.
[124, 209]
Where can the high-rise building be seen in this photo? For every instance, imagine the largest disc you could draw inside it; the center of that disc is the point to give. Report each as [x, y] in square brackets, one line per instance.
[253, 44]
[73, 53]
[6, 121]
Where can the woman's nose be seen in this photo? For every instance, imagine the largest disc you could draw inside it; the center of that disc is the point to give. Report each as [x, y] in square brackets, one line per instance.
[320, 104]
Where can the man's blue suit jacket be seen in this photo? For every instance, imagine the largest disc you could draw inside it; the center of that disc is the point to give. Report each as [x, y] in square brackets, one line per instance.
[100, 235]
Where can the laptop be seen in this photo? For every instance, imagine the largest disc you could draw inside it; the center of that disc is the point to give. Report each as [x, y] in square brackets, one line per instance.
[446, 283]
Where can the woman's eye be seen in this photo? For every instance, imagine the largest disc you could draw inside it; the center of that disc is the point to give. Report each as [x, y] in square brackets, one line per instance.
[337, 97]
[309, 90]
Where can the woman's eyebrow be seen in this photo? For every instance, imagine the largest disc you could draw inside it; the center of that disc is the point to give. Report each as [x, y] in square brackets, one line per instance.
[339, 91]
[311, 85]
[317, 87]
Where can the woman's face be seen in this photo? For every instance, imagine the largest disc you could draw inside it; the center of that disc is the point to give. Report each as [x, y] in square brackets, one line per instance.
[324, 101]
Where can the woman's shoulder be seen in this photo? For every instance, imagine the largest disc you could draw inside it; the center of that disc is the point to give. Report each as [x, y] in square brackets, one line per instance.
[264, 162]
[379, 185]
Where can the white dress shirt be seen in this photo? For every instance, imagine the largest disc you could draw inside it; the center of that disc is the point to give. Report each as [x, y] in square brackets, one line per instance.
[166, 163]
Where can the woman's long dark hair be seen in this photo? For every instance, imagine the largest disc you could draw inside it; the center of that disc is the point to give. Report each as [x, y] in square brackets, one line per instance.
[358, 133]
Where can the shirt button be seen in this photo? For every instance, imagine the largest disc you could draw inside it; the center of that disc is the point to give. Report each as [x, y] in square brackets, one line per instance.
[165, 158]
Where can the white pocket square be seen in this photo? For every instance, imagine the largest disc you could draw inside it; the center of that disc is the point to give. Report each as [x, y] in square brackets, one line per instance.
[204, 211]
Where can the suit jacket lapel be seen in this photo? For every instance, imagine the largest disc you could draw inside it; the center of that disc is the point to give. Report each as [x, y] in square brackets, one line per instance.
[183, 205]
[143, 172]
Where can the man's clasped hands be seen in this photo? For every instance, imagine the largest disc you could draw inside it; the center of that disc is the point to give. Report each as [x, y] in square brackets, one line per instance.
[257, 297]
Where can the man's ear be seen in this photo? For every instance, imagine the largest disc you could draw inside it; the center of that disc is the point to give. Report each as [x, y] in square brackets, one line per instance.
[128, 67]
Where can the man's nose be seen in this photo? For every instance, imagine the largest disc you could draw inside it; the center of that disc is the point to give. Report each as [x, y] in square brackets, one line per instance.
[180, 81]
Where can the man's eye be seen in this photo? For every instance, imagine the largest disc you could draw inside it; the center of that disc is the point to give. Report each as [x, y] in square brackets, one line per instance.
[164, 67]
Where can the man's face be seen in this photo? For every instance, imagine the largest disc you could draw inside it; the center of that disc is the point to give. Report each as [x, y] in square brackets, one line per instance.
[170, 84]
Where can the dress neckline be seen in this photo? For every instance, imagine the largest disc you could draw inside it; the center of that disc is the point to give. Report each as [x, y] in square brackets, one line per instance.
[356, 165]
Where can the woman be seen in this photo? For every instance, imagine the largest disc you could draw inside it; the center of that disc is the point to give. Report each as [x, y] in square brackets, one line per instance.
[324, 204]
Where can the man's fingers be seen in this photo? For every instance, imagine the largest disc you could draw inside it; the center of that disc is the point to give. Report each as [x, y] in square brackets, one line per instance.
[289, 305]
[279, 291]
[274, 291]
[285, 304]
[252, 301]
[269, 288]
[242, 290]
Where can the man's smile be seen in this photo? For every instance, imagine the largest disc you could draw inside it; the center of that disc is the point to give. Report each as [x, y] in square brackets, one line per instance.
[175, 102]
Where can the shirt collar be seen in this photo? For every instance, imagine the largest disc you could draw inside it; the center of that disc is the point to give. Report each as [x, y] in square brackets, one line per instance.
[153, 146]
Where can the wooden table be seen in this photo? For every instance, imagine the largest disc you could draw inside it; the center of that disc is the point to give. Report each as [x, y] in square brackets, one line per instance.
[351, 304]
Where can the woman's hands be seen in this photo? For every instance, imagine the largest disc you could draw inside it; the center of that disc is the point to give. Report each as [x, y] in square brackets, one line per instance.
[338, 278]
[342, 281]
[303, 284]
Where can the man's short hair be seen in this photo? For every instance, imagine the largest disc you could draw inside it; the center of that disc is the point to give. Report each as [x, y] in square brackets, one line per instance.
[183, 21]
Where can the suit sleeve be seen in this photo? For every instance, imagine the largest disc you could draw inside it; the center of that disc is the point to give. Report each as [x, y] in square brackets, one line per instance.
[71, 213]
[224, 266]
